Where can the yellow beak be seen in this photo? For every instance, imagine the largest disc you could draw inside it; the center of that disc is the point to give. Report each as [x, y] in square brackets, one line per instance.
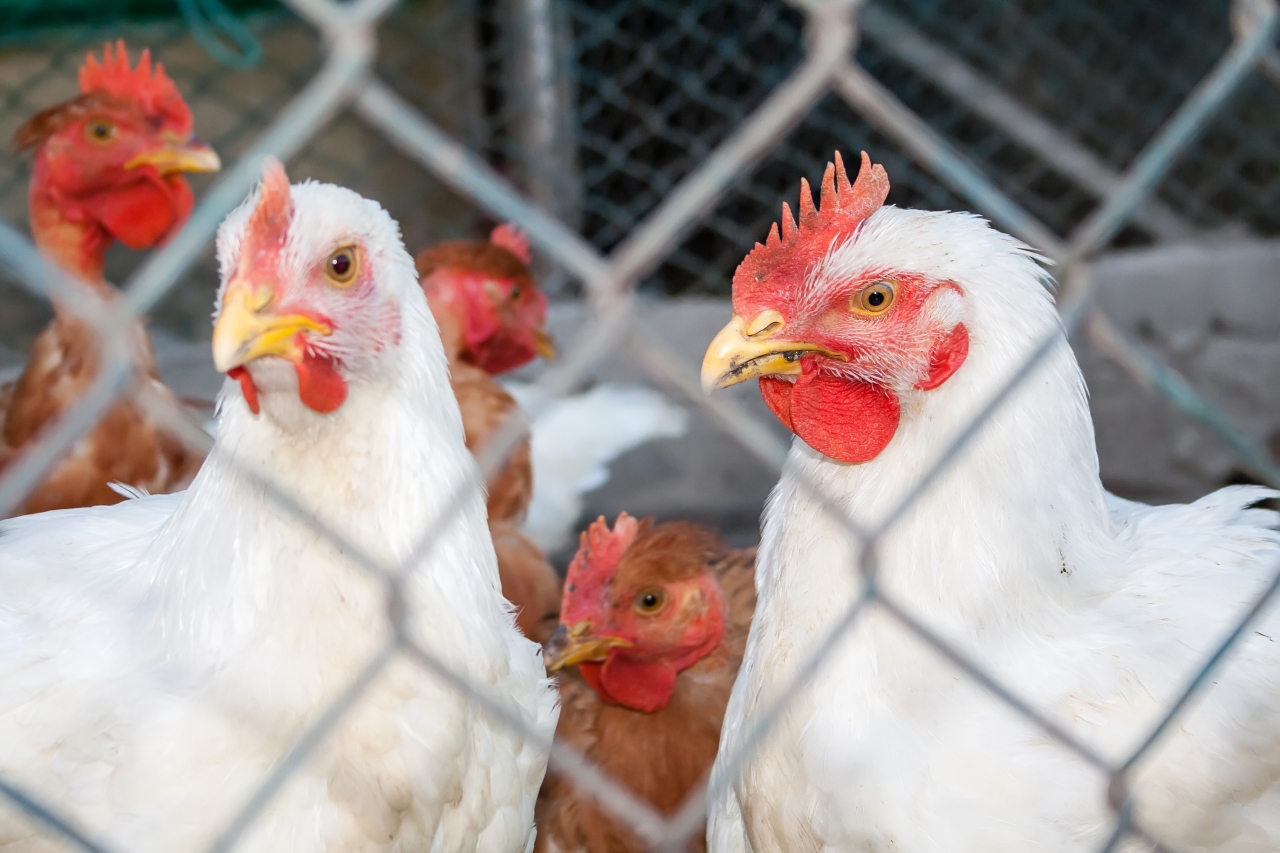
[747, 350]
[572, 646]
[245, 330]
[189, 156]
[543, 344]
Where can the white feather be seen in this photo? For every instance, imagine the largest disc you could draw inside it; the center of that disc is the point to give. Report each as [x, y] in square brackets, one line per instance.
[1093, 609]
[573, 441]
[127, 491]
[158, 657]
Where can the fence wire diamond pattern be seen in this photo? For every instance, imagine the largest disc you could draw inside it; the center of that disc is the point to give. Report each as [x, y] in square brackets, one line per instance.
[828, 70]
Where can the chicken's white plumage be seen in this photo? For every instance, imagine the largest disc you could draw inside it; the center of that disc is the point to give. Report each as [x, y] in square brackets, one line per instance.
[161, 655]
[573, 439]
[1096, 610]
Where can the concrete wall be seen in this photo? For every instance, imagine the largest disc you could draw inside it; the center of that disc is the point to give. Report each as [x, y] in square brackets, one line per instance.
[1213, 312]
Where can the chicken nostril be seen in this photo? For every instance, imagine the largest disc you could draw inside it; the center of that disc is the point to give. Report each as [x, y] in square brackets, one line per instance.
[261, 297]
[767, 330]
[766, 323]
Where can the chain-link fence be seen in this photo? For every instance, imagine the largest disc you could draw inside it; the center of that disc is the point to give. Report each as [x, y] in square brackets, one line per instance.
[690, 121]
[1052, 100]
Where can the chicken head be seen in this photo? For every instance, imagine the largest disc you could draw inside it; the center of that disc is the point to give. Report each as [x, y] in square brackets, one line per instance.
[640, 606]
[110, 163]
[309, 305]
[837, 341]
[486, 299]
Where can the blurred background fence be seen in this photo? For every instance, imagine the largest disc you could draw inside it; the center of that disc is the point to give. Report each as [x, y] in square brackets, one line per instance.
[597, 108]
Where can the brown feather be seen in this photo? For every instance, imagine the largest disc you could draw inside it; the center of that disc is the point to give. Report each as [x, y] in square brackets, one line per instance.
[483, 257]
[664, 755]
[676, 550]
[124, 446]
[49, 121]
[528, 580]
[486, 406]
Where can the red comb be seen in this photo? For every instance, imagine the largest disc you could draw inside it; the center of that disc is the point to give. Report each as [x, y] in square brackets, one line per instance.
[150, 87]
[842, 209]
[268, 227]
[599, 551]
[509, 236]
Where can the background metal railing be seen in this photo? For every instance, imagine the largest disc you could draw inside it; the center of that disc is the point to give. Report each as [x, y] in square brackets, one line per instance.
[675, 128]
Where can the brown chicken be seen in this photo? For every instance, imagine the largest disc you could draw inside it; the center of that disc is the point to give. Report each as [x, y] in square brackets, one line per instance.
[108, 166]
[655, 618]
[492, 318]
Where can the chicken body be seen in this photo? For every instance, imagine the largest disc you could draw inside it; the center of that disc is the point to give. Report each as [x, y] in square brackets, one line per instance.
[486, 406]
[161, 655]
[108, 166]
[661, 755]
[1094, 610]
[491, 315]
[125, 446]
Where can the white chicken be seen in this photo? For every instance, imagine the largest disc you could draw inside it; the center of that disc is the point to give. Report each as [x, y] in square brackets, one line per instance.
[158, 657]
[878, 334]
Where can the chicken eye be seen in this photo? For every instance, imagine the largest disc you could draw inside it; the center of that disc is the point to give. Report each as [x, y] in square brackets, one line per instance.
[516, 293]
[649, 602]
[100, 131]
[875, 299]
[342, 266]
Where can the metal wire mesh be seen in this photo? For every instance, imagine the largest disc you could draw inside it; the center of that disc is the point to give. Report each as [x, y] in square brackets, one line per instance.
[1053, 100]
[760, 121]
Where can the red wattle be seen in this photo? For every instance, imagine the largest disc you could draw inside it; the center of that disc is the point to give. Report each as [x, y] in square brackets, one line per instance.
[142, 213]
[640, 686]
[777, 396]
[843, 419]
[498, 355]
[590, 672]
[250, 391]
[320, 386]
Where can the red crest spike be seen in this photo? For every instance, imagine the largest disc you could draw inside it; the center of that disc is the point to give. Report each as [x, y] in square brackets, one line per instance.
[828, 200]
[844, 208]
[147, 85]
[870, 189]
[599, 552]
[509, 236]
[788, 223]
[807, 210]
[842, 177]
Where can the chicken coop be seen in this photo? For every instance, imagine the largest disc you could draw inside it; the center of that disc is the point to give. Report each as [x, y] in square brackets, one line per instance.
[646, 146]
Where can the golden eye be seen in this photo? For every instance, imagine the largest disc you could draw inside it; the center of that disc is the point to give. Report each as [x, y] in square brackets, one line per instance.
[100, 131]
[873, 300]
[649, 602]
[343, 266]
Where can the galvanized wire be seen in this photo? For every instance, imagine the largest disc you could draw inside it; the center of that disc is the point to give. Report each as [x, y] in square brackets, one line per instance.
[345, 80]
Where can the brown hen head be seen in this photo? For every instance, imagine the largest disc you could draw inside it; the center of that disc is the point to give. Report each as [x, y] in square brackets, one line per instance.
[641, 604]
[110, 163]
[485, 294]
